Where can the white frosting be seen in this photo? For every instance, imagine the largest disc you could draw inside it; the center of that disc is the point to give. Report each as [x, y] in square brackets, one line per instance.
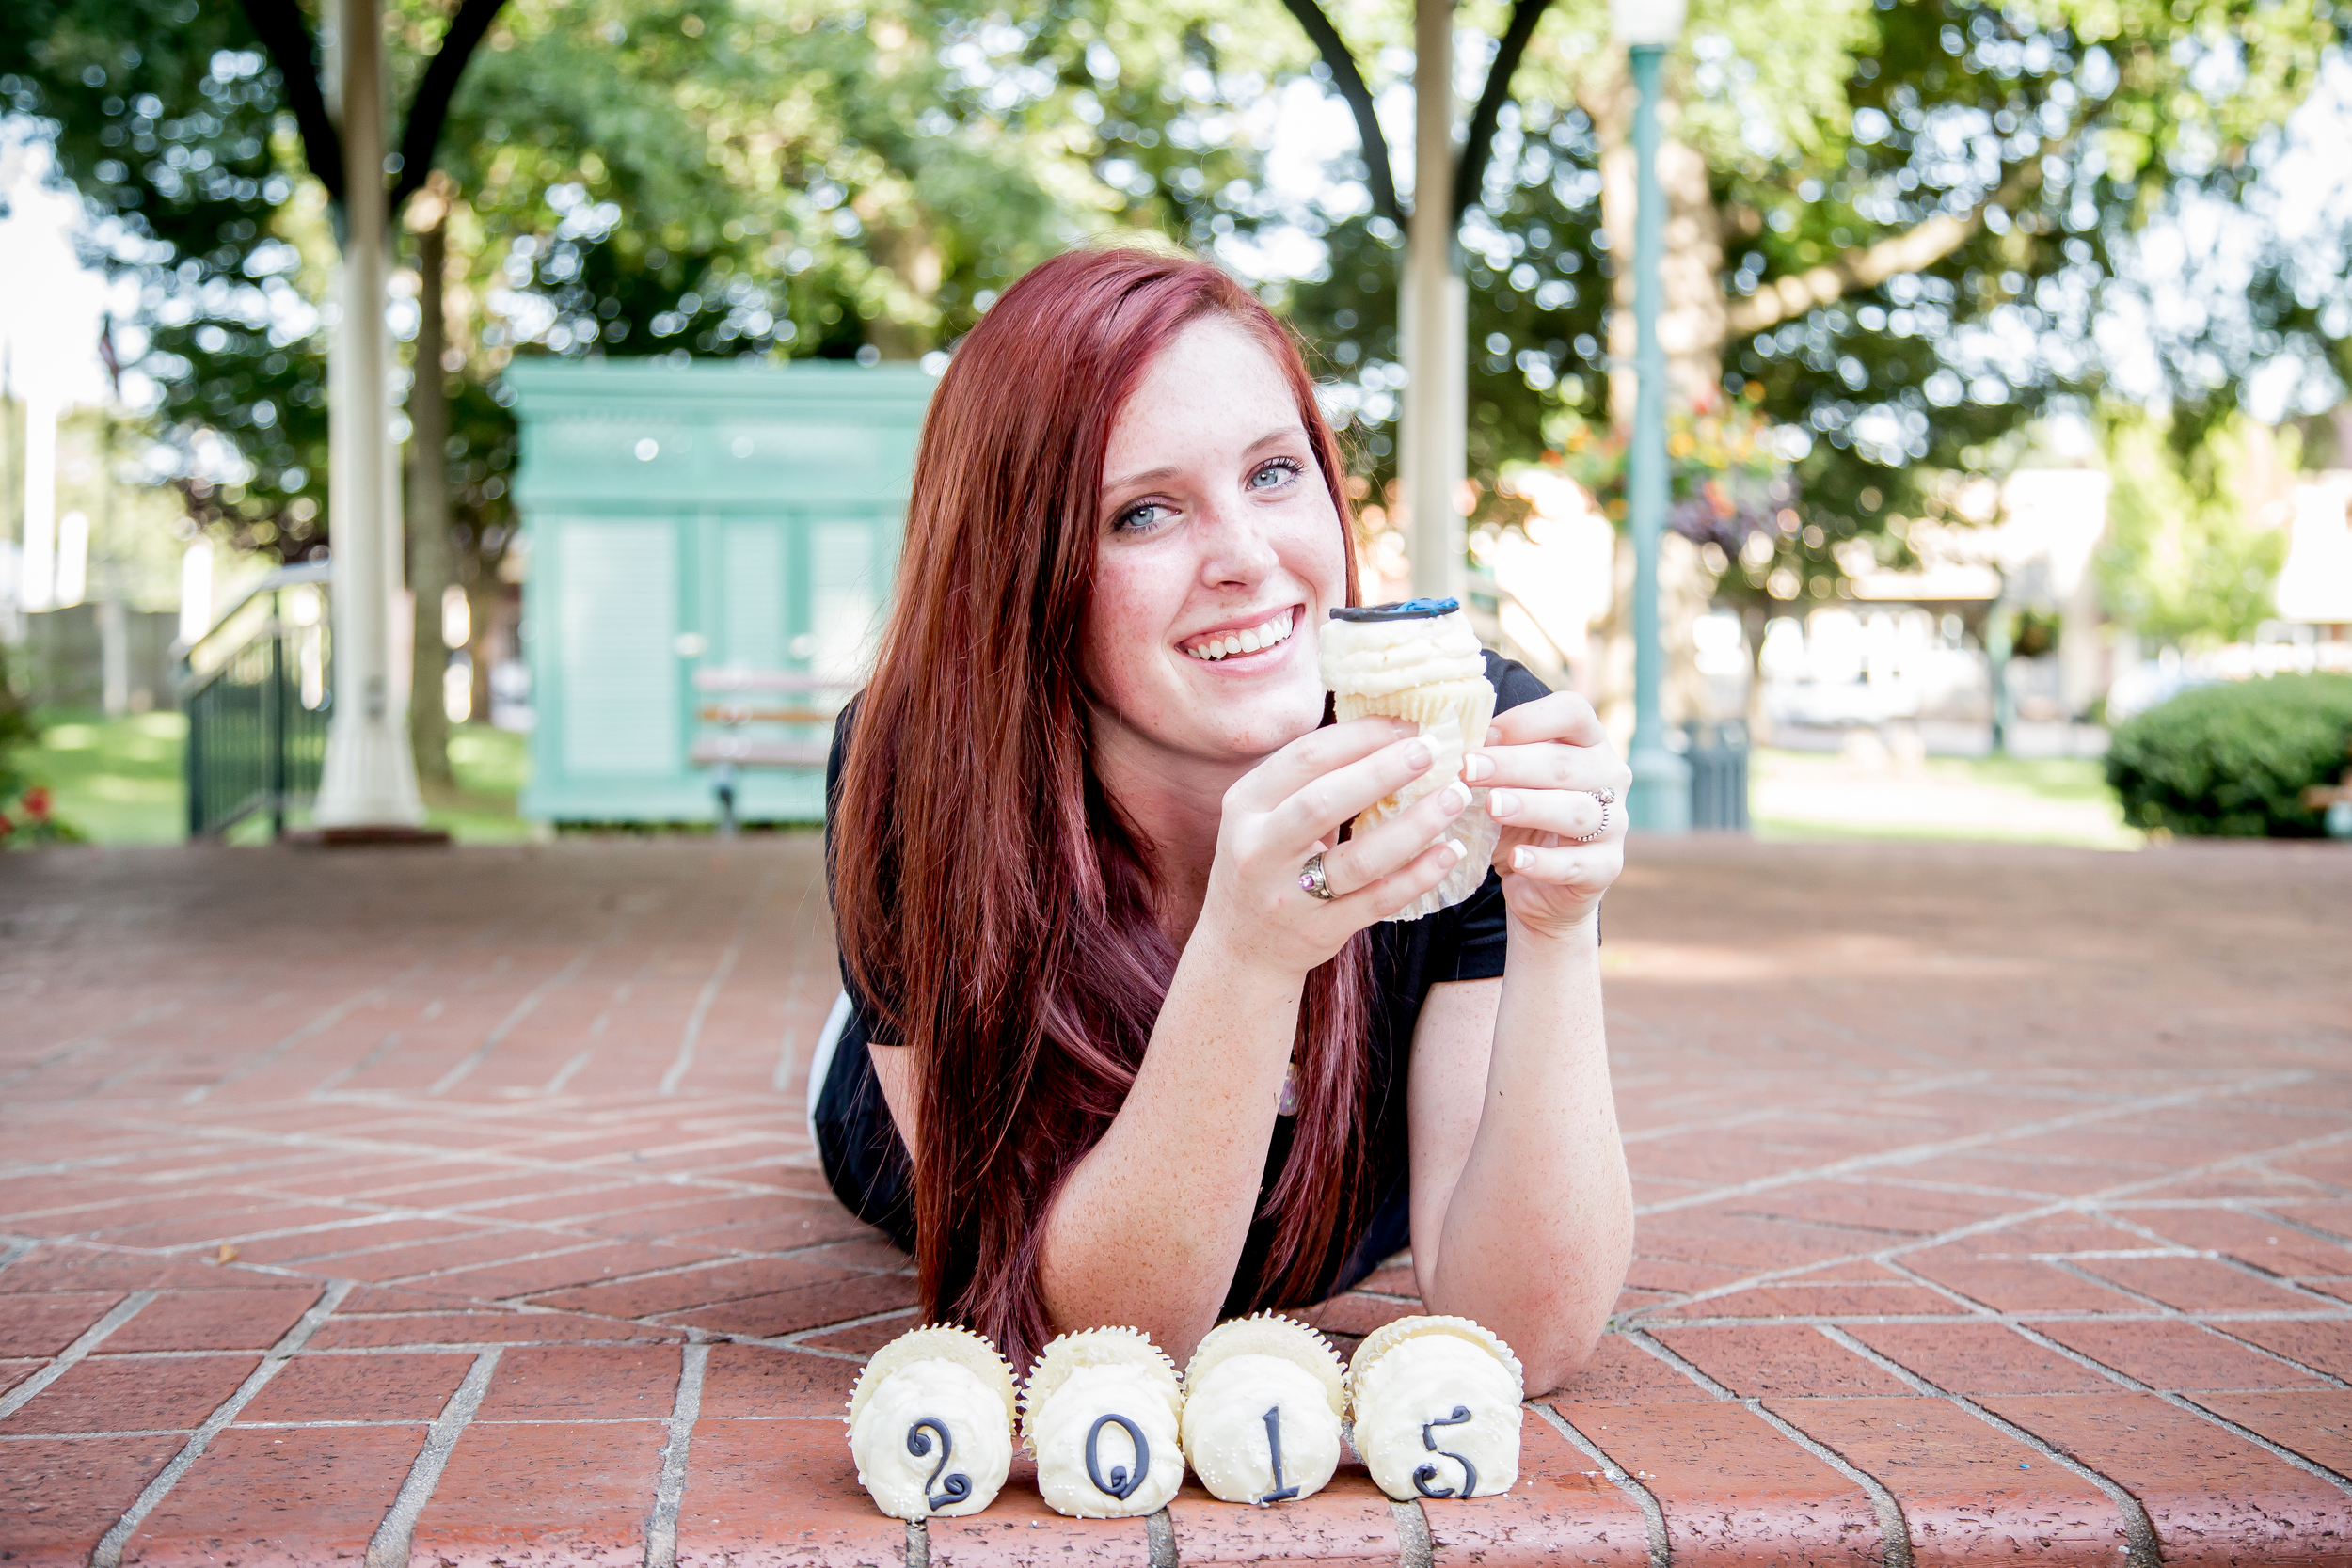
[1058, 1431]
[1225, 1439]
[1424, 1381]
[980, 1440]
[1373, 658]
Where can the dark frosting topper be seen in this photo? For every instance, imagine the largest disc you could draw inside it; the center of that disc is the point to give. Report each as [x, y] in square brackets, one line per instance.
[1404, 610]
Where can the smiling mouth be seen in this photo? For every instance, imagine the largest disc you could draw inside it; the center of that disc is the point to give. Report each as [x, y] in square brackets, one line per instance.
[1268, 633]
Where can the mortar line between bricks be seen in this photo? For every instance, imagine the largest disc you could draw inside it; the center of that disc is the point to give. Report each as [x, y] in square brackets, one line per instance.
[66, 1052]
[2143, 1549]
[1916, 1152]
[2286, 1219]
[108, 1552]
[691, 1035]
[2181, 1402]
[1414, 1547]
[87, 1340]
[344, 1074]
[2278, 1450]
[792, 1341]
[1894, 1529]
[1159, 1534]
[389, 1546]
[917, 1546]
[17, 1247]
[521, 1009]
[1653, 1516]
[661, 1524]
[380, 991]
[2083, 1203]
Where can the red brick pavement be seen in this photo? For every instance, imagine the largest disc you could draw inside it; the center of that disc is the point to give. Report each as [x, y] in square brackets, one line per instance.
[424, 1208]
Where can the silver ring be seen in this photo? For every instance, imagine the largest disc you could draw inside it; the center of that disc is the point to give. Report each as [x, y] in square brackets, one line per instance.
[1606, 797]
[1311, 878]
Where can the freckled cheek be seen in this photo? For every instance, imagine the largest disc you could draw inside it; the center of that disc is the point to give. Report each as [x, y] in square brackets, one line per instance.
[1127, 619]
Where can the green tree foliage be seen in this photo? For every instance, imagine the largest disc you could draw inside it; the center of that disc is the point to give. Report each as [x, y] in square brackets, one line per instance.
[2183, 565]
[1913, 216]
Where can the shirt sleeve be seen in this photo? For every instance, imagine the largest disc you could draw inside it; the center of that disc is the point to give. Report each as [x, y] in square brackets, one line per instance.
[1473, 948]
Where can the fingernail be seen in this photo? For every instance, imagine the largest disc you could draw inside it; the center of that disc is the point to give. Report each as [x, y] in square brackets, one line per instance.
[1494, 735]
[1457, 796]
[1478, 766]
[1522, 858]
[1502, 803]
[1454, 851]
[1418, 754]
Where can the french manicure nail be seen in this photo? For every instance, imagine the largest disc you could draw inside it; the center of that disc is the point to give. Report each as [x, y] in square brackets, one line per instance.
[1502, 803]
[1522, 858]
[1418, 756]
[1478, 766]
[1457, 794]
[1454, 851]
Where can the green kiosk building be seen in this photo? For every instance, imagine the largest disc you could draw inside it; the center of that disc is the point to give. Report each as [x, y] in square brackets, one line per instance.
[711, 548]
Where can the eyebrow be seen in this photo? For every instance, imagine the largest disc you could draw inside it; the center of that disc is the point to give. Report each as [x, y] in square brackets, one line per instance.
[1153, 475]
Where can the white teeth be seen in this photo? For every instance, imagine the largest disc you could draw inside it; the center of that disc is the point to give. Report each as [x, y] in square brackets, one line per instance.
[1249, 641]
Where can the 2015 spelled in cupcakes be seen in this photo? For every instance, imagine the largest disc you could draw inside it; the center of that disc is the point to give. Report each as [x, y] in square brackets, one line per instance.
[1420, 661]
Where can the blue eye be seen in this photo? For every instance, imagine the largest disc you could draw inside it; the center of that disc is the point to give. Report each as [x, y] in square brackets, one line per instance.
[1138, 520]
[1275, 474]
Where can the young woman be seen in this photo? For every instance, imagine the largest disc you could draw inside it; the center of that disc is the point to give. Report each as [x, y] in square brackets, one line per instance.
[1145, 1077]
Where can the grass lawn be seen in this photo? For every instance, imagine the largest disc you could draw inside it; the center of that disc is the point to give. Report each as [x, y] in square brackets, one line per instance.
[1811, 794]
[118, 780]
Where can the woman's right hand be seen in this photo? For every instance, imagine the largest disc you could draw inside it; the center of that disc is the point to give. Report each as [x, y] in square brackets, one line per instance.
[1291, 807]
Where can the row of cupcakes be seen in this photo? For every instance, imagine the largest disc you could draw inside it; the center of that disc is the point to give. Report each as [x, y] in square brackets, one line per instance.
[1260, 1414]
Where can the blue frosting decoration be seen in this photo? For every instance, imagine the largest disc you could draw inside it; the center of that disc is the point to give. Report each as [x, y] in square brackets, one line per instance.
[1406, 610]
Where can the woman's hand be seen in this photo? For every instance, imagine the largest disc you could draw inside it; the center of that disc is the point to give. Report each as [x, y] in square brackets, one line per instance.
[1290, 808]
[1548, 765]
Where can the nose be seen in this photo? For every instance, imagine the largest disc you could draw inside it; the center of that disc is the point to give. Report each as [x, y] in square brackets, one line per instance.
[1235, 550]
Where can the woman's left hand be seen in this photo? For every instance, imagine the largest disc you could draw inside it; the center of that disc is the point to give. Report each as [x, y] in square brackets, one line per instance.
[1558, 789]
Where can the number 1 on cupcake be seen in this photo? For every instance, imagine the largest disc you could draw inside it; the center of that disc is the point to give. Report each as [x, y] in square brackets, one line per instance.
[1274, 1449]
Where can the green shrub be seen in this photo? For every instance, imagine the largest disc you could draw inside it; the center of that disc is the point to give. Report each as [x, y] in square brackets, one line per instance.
[2234, 760]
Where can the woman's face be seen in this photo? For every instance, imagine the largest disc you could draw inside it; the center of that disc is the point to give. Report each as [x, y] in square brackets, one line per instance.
[1219, 555]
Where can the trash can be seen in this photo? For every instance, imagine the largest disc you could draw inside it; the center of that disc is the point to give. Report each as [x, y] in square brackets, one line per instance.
[1718, 755]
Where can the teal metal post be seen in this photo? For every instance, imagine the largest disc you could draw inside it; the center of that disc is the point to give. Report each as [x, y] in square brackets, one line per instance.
[1661, 798]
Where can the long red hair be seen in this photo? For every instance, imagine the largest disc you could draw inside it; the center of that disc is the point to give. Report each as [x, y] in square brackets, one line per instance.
[992, 903]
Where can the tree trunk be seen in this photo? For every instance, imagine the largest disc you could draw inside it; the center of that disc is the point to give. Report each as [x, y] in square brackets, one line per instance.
[428, 509]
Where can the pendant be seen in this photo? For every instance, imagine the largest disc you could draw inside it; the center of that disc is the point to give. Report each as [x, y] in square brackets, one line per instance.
[1288, 1105]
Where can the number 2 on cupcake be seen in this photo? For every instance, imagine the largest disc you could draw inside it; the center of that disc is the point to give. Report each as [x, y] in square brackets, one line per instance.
[919, 1444]
[1427, 1473]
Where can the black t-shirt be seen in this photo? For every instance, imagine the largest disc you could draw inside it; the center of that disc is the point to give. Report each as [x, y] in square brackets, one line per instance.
[867, 1165]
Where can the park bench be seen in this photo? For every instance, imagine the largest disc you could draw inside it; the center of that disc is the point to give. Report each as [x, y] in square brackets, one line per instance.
[778, 719]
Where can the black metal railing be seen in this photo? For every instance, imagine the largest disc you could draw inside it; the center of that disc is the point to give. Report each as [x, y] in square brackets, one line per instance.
[256, 694]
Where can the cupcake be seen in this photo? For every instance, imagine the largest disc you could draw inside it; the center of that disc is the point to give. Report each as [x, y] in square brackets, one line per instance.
[931, 1424]
[1437, 1404]
[1101, 1411]
[1264, 1397]
[1421, 663]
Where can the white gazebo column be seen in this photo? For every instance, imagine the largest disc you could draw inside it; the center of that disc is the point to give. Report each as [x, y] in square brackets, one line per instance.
[370, 778]
[1436, 306]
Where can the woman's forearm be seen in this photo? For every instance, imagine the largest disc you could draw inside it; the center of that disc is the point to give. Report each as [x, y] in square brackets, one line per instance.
[1539, 1227]
[1149, 1228]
